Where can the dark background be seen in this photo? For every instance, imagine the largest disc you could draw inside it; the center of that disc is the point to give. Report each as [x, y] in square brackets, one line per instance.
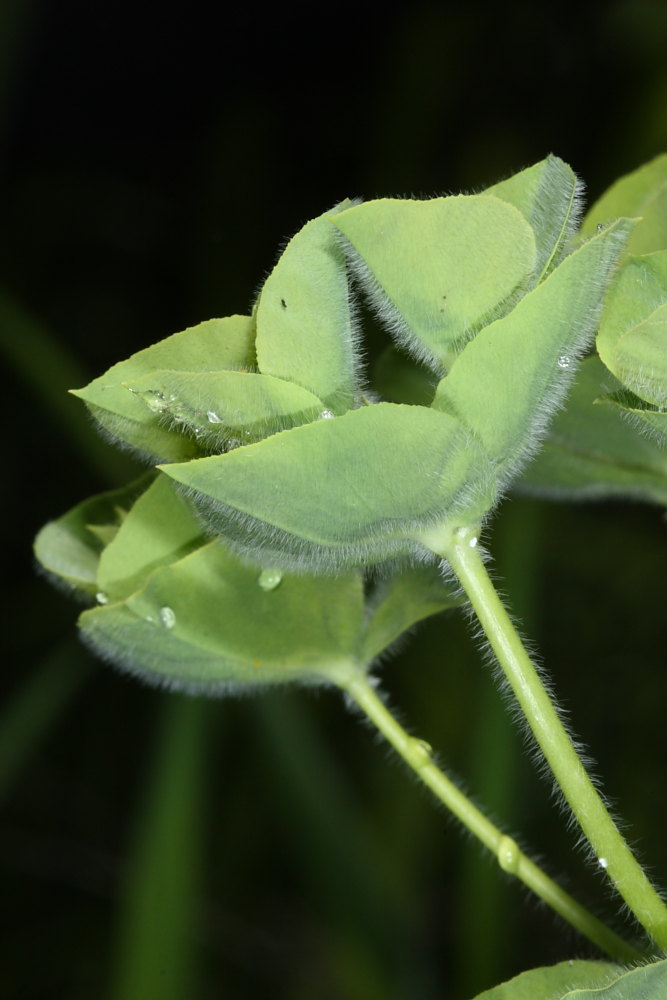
[152, 159]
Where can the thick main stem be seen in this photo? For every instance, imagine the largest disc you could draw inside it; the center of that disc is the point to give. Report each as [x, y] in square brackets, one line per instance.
[613, 854]
[417, 754]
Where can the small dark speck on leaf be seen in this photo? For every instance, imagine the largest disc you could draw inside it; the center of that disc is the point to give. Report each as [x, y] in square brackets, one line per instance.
[283, 304]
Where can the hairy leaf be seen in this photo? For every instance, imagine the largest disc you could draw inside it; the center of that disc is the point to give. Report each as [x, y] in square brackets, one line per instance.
[548, 195]
[402, 600]
[508, 381]
[649, 982]
[70, 547]
[341, 492]
[437, 270]
[159, 529]
[209, 622]
[592, 452]
[554, 982]
[124, 416]
[632, 339]
[305, 329]
[643, 194]
[645, 418]
[224, 409]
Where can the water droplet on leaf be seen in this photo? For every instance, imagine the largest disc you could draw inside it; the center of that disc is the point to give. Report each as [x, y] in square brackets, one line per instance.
[472, 542]
[603, 863]
[564, 361]
[213, 417]
[167, 617]
[325, 415]
[269, 579]
[101, 597]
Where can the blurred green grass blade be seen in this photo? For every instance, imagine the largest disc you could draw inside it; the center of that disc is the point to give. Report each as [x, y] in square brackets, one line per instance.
[156, 945]
[48, 371]
[359, 896]
[37, 707]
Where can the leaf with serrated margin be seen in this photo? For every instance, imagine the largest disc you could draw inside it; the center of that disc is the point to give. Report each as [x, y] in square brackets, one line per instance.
[215, 344]
[437, 270]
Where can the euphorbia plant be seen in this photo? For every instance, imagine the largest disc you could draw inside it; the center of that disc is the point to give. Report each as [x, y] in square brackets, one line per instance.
[303, 515]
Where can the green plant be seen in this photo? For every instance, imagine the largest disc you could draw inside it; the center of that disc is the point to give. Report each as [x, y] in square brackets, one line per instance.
[300, 519]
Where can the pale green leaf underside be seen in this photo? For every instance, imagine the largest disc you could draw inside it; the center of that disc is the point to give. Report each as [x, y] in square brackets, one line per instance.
[547, 195]
[215, 344]
[642, 193]
[592, 452]
[436, 270]
[341, 491]
[632, 339]
[205, 622]
[160, 528]
[554, 982]
[649, 982]
[507, 382]
[645, 418]
[226, 408]
[407, 597]
[304, 321]
[69, 548]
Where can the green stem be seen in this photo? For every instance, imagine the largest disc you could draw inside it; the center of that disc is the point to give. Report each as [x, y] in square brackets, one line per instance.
[460, 549]
[417, 755]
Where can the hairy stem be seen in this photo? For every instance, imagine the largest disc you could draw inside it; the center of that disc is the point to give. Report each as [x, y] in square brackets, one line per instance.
[417, 755]
[613, 854]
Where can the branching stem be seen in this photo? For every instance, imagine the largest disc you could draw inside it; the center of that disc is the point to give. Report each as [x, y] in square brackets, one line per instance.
[417, 755]
[460, 550]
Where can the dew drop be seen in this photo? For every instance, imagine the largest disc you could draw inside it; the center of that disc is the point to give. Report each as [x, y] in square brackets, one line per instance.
[472, 542]
[213, 417]
[509, 855]
[603, 863]
[157, 401]
[233, 443]
[599, 227]
[269, 579]
[325, 415]
[101, 597]
[167, 617]
[564, 361]
[421, 752]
